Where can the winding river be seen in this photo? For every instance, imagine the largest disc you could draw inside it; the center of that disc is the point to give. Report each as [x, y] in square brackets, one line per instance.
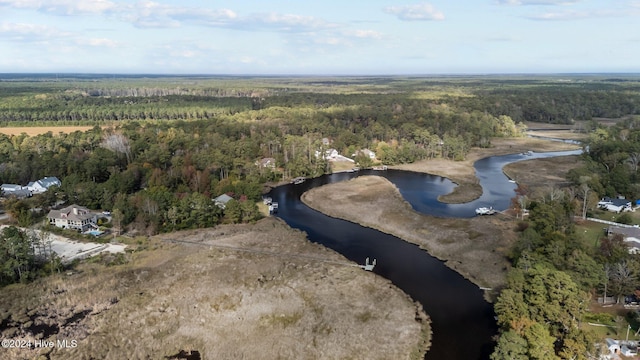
[462, 321]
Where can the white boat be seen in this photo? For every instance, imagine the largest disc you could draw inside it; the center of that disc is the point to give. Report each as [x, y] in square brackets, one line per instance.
[298, 180]
[273, 208]
[485, 211]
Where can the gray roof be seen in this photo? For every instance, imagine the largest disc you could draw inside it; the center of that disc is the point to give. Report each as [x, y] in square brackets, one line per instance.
[49, 181]
[11, 187]
[223, 199]
[80, 213]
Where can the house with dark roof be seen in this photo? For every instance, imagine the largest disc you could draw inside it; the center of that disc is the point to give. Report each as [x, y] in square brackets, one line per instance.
[73, 217]
[615, 205]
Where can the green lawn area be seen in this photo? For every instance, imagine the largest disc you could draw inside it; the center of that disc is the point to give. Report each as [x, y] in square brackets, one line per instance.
[616, 321]
[610, 216]
[590, 233]
[341, 166]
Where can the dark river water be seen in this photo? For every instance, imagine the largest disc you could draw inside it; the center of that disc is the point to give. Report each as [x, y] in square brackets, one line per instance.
[462, 321]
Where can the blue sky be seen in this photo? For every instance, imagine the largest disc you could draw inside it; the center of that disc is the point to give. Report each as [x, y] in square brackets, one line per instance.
[332, 37]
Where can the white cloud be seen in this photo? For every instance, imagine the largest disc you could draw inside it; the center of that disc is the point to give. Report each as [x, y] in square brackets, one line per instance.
[367, 34]
[30, 32]
[575, 15]
[283, 23]
[502, 38]
[98, 42]
[537, 2]
[63, 7]
[150, 14]
[420, 12]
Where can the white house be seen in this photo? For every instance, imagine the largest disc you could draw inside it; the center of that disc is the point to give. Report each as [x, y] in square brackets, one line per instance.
[329, 154]
[222, 200]
[366, 152]
[266, 163]
[43, 184]
[34, 187]
[73, 217]
[615, 205]
[332, 155]
[613, 346]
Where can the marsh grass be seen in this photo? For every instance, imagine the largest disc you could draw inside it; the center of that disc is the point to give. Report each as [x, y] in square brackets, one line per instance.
[221, 303]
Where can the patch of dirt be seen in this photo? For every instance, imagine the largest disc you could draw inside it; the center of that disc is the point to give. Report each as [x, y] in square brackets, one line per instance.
[259, 291]
[474, 247]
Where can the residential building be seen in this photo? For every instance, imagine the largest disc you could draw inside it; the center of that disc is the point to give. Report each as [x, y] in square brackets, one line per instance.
[269, 163]
[43, 184]
[615, 205]
[14, 190]
[222, 200]
[73, 217]
[366, 152]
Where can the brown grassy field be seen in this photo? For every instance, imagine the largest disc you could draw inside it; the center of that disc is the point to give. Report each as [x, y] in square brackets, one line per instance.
[473, 247]
[224, 304]
[541, 174]
[39, 130]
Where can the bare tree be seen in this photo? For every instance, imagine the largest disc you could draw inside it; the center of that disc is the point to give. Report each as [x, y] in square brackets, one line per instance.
[119, 144]
[634, 161]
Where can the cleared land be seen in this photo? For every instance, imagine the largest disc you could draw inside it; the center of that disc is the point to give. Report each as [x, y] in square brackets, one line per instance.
[39, 130]
[463, 173]
[266, 303]
[473, 247]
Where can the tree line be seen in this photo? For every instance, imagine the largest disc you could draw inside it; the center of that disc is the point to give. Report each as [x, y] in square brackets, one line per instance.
[556, 270]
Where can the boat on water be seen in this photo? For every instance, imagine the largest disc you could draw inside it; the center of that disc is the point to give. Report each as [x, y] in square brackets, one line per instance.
[273, 208]
[485, 211]
[298, 180]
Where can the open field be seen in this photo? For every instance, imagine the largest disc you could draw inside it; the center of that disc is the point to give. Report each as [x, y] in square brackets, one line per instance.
[473, 247]
[463, 173]
[276, 295]
[39, 130]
